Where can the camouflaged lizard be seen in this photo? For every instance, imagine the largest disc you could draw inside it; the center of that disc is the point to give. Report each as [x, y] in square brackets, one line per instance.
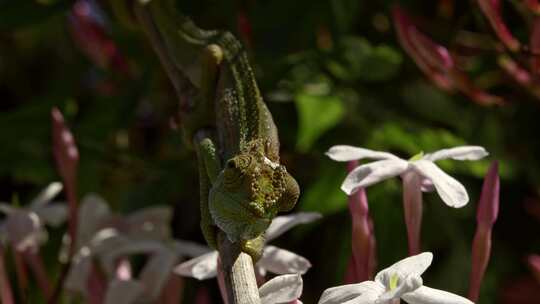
[243, 186]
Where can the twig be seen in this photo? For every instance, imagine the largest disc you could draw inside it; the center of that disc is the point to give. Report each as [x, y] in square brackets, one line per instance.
[238, 273]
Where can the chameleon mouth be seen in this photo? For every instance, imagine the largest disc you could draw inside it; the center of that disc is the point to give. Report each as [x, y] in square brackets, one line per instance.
[234, 218]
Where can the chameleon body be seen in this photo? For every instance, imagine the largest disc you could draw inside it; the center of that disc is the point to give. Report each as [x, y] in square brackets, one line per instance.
[243, 185]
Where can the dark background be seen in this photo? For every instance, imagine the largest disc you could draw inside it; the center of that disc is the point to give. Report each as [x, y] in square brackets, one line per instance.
[332, 72]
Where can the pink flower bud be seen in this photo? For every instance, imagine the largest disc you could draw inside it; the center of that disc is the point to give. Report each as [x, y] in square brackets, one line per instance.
[487, 211]
[492, 11]
[488, 207]
[359, 267]
[534, 263]
[533, 5]
[515, 71]
[430, 57]
[92, 39]
[65, 150]
[466, 86]
[66, 155]
[412, 205]
[434, 54]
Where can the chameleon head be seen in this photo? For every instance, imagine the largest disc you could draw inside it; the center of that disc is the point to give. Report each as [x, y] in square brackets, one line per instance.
[248, 194]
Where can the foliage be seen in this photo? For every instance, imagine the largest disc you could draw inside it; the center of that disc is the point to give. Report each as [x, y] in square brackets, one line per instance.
[332, 72]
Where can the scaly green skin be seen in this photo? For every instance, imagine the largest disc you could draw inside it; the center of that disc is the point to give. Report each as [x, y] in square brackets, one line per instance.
[242, 198]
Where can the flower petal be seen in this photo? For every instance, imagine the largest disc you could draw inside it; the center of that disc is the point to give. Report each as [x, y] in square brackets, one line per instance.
[53, 215]
[427, 185]
[117, 246]
[458, 153]
[363, 293]
[155, 273]
[201, 268]
[281, 224]
[410, 283]
[6, 208]
[78, 273]
[150, 223]
[24, 230]
[369, 174]
[281, 289]
[46, 195]
[190, 249]
[412, 266]
[347, 153]
[125, 292]
[281, 261]
[92, 212]
[452, 192]
[426, 295]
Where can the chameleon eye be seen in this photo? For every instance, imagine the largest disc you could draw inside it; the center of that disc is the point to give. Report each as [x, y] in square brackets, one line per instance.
[291, 192]
[242, 162]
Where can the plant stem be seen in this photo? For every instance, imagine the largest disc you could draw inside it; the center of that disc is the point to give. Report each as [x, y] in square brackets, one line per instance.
[36, 265]
[22, 274]
[238, 273]
[5, 287]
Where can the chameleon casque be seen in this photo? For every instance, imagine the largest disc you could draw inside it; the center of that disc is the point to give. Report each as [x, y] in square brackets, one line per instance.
[243, 186]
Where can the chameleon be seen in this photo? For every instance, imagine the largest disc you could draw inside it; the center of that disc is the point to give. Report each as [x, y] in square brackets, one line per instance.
[224, 118]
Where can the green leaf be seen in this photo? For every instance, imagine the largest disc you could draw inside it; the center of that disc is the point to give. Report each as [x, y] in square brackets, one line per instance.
[358, 59]
[325, 195]
[433, 104]
[317, 114]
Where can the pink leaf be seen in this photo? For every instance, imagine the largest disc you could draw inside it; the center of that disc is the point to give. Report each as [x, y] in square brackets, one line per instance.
[486, 215]
[492, 11]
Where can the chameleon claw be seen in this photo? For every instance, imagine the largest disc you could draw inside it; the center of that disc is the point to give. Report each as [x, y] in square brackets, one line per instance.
[253, 247]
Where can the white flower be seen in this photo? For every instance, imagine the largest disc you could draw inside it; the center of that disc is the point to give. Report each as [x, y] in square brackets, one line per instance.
[106, 237]
[24, 227]
[274, 259]
[388, 165]
[399, 281]
[282, 289]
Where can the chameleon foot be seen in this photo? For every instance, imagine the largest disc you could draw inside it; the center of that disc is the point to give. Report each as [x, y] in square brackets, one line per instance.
[253, 247]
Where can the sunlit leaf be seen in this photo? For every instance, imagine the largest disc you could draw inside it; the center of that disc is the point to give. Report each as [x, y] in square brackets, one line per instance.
[317, 114]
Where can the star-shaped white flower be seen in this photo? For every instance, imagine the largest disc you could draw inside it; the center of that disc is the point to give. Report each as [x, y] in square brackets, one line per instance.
[388, 165]
[400, 281]
[274, 259]
[282, 289]
[106, 237]
[24, 227]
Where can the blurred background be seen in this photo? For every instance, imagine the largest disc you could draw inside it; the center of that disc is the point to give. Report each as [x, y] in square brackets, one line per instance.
[332, 72]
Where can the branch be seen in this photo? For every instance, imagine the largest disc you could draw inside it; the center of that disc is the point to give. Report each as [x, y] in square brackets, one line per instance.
[238, 273]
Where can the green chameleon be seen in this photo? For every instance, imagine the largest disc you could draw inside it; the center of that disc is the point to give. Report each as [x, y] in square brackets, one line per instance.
[243, 186]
